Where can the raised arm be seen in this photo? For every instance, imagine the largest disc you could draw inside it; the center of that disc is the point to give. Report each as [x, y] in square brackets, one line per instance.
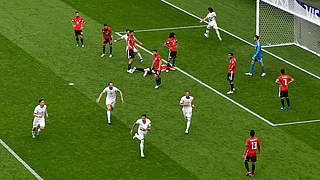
[134, 125]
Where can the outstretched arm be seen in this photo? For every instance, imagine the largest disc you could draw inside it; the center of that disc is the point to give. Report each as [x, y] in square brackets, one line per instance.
[138, 41]
[204, 19]
[134, 125]
[98, 99]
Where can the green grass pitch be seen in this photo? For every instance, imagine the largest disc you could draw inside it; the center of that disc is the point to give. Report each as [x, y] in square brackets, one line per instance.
[39, 59]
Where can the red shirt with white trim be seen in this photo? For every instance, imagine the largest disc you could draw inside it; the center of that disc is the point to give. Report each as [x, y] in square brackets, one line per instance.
[156, 60]
[107, 32]
[251, 147]
[232, 65]
[78, 22]
[172, 43]
[284, 79]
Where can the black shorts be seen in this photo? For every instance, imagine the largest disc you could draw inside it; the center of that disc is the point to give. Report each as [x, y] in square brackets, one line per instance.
[251, 158]
[157, 72]
[283, 94]
[78, 32]
[172, 54]
[107, 41]
[230, 76]
[130, 54]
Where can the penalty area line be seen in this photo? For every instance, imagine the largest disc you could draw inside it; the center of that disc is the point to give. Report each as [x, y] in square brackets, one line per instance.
[239, 38]
[298, 122]
[20, 160]
[165, 29]
[212, 89]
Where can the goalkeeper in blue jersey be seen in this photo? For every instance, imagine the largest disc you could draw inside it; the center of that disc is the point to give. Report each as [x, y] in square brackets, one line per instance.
[257, 57]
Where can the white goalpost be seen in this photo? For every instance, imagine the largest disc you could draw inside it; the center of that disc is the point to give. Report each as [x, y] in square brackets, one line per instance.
[288, 22]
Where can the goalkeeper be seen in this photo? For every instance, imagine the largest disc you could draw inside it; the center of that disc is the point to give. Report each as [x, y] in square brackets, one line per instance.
[257, 57]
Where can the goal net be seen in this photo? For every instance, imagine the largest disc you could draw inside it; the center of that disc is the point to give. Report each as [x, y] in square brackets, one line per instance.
[288, 22]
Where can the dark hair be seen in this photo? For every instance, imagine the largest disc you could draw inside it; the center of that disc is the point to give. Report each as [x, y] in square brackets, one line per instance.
[252, 133]
[256, 36]
[171, 35]
[143, 115]
[210, 9]
[188, 91]
[76, 12]
[41, 100]
[131, 31]
[231, 53]
[127, 30]
[110, 82]
[282, 71]
[155, 50]
[105, 24]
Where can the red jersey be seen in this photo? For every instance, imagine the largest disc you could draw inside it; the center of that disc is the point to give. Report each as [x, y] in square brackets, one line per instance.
[172, 43]
[78, 22]
[232, 65]
[131, 42]
[284, 79]
[156, 61]
[251, 147]
[107, 32]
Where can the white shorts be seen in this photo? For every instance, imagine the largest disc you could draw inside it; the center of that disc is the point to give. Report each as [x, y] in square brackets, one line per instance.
[187, 114]
[112, 102]
[39, 121]
[141, 134]
[213, 25]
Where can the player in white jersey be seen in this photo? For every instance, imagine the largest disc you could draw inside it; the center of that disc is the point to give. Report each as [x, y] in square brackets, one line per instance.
[211, 17]
[135, 50]
[144, 127]
[110, 98]
[39, 113]
[187, 105]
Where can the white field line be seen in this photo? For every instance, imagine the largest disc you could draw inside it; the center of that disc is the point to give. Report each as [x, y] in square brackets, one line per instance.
[299, 122]
[170, 28]
[212, 89]
[20, 160]
[237, 37]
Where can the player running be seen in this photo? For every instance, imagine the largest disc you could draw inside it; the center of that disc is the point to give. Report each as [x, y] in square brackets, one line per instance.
[172, 45]
[144, 127]
[39, 112]
[284, 81]
[156, 64]
[257, 57]
[211, 17]
[107, 35]
[250, 153]
[231, 72]
[135, 50]
[78, 23]
[187, 105]
[110, 98]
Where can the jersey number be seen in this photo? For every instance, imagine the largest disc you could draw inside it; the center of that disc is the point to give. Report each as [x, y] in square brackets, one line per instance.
[254, 145]
[285, 81]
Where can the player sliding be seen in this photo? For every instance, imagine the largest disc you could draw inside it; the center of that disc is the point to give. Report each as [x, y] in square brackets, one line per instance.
[250, 153]
[78, 23]
[211, 17]
[284, 81]
[156, 64]
[149, 71]
[187, 105]
[135, 50]
[257, 57]
[172, 45]
[231, 72]
[110, 98]
[107, 35]
[144, 127]
[39, 112]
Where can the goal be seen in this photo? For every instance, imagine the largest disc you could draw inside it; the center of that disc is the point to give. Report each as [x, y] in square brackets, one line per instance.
[288, 22]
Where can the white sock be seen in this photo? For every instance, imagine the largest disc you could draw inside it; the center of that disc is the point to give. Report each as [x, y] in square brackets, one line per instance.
[108, 113]
[141, 146]
[218, 34]
[139, 55]
[33, 132]
[188, 124]
[207, 32]
[39, 130]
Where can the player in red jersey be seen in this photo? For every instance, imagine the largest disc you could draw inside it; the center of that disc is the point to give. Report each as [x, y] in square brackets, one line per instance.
[78, 23]
[172, 45]
[231, 72]
[250, 153]
[284, 81]
[107, 38]
[131, 46]
[156, 66]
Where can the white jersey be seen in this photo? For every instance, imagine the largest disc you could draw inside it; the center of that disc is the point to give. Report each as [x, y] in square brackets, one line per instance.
[143, 126]
[212, 17]
[124, 37]
[40, 111]
[111, 93]
[185, 100]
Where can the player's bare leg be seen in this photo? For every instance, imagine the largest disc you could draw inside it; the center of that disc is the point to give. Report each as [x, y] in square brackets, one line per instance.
[188, 124]
[262, 67]
[81, 38]
[34, 132]
[129, 66]
[138, 53]
[218, 34]
[109, 109]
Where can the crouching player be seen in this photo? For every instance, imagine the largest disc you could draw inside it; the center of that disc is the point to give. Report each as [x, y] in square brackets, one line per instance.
[39, 112]
[250, 153]
[144, 127]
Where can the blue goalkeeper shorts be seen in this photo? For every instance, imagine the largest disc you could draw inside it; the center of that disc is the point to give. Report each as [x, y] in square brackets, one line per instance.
[258, 59]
